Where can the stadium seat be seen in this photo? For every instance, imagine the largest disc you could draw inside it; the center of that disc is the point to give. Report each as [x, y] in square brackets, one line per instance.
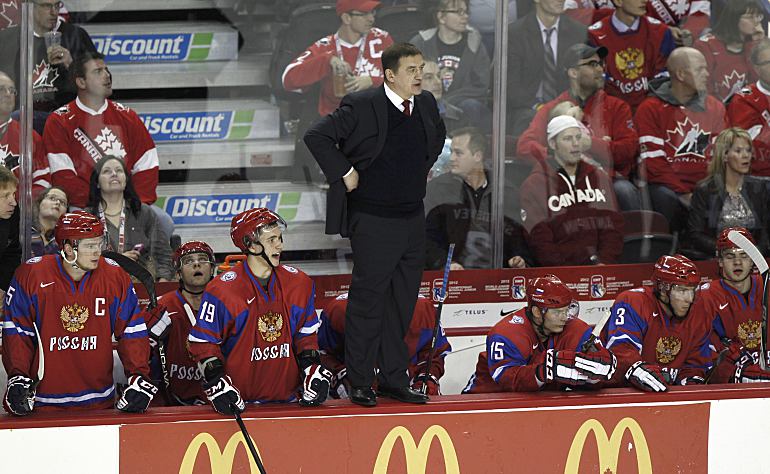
[401, 21]
[644, 222]
[646, 247]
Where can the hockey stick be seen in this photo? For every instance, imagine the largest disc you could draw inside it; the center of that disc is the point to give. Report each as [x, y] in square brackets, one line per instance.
[247, 438]
[40, 357]
[756, 256]
[596, 332]
[136, 270]
[440, 296]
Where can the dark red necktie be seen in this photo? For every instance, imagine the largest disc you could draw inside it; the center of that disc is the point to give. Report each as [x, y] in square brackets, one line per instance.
[406, 105]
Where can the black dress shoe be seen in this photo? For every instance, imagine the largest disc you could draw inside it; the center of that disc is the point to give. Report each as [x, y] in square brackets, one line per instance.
[402, 394]
[363, 396]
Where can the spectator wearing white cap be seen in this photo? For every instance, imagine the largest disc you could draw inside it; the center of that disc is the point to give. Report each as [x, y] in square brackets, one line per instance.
[568, 205]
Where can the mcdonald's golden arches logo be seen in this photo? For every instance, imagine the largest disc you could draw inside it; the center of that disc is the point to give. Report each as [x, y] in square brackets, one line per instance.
[221, 461]
[417, 454]
[609, 448]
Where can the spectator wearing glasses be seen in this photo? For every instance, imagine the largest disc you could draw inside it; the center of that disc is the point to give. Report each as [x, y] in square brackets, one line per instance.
[10, 142]
[463, 61]
[727, 48]
[614, 142]
[49, 206]
[131, 227]
[351, 57]
[51, 86]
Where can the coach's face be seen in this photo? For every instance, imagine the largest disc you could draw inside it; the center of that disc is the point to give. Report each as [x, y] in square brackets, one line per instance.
[406, 81]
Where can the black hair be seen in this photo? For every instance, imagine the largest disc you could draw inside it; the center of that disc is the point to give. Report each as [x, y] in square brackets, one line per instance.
[129, 193]
[726, 26]
[392, 56]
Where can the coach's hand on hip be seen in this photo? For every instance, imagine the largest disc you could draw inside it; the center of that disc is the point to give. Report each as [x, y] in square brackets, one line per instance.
[351, 180]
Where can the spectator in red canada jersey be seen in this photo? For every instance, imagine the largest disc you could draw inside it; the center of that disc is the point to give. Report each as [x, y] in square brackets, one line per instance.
[352, 54]
[638, 47]
[568, 205]
[79, 134]
[614, 142]
[728, 46]
[677, 124]
[750, 109]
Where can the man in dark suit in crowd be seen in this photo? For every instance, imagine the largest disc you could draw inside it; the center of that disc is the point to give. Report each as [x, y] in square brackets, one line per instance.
[376, 150]
[535, 77]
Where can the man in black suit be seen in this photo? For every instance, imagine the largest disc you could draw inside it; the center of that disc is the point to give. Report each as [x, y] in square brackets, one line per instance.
[376, 150]
[532, 79]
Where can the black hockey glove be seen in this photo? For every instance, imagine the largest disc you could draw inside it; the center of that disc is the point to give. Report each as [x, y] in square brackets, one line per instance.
[219, 389]
[19, 396]
[137, 396]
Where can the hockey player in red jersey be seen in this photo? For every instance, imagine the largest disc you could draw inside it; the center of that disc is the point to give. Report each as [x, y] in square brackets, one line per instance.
[79, 134]
[194, 263]
[661, 334]
[353, 53]
[638, 47]
[255, 338]
[67, 308]
[331, 341]
[735, 301]
[541, 346]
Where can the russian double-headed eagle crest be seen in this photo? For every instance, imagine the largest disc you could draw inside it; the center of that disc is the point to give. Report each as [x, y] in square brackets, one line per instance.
[667, 349]
[630, 62]
[74, 317]
[270, 325]
[750, 334]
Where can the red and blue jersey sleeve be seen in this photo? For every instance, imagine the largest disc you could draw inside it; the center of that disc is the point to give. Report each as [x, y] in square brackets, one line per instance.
[130, 330]
[510, 354]
[215, 321]
[627, 327]
[304, 320]
[331, 334]
[19, 335]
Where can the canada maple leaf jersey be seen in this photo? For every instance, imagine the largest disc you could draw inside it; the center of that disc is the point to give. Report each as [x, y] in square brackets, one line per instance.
[184, 377]
[10, 15]
[10, 152]
[749, 109]
[331, 337]
[76, 138]
[256, 332]
[514, 352]
[569, 221]
[603, 116]
[634, 57]
[675, 141]
[729, 72]
[639, 329]
[737, 317]
[77, 323]
[312, 65]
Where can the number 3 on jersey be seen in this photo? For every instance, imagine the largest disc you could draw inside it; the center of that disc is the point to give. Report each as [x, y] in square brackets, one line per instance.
[207, 312]
[620, 316]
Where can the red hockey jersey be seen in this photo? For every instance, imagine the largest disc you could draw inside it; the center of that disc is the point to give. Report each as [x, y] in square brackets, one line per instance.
[183, 374]
[10, 152]
[258, 333]
[312, 65]
[690, 15]
[728, 72]
[514, 352]
[737, 317]
[77, 322]
[331, 337]
[750, 110]
[604, 116]
[634, 57]
[569, 222]
[675, 141]
[639, 329]
[77, 137]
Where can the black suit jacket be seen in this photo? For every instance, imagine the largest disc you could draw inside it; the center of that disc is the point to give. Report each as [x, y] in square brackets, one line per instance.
[525, 57]
[354, 135]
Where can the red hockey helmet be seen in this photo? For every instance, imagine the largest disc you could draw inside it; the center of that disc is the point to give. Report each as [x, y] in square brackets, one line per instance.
[245, 226]
[193, 246]
[675, 270]
[77, 225]
[548, 292]
[724, 243]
